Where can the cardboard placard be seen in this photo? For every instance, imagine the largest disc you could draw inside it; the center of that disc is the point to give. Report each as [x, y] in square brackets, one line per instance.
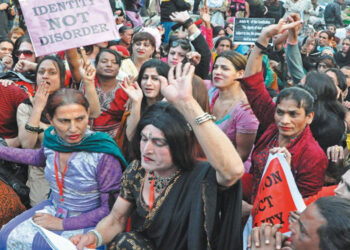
[277, 195]
[56, 25]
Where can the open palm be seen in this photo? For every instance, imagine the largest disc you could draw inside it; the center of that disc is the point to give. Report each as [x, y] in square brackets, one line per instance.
[178, 87]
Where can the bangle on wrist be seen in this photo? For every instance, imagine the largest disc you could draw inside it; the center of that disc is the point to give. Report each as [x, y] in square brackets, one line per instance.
[187, 23]
[33, 129]
[203, 118]
[261, 47]
[98, 236]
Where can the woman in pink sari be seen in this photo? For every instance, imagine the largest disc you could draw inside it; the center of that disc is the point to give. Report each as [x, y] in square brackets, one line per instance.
[228, 103]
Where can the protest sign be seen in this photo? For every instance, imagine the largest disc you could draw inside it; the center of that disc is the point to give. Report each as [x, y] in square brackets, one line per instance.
[247, 30]
[277, 195]
[56, 25]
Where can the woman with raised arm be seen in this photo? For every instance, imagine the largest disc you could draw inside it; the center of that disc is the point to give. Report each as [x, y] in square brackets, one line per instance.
[146, 91]
[203, 199]
[228, 103]
[32, 120]
[83, 169]
[286, 122]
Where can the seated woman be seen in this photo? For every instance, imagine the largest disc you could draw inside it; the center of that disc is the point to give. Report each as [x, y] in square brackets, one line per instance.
[83, 169]
[228, 103]
[165, 180]
[32, 120]
[286, 122]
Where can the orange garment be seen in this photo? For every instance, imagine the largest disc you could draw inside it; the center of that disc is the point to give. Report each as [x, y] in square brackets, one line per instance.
[325, 191]
[10, 204]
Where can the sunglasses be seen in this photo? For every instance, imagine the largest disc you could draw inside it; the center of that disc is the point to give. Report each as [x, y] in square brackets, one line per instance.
[323, 65]
[185, 45]
[24, 52]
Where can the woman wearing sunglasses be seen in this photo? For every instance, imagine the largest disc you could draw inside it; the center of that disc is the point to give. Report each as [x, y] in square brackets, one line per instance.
[24, 59]
[179, 49]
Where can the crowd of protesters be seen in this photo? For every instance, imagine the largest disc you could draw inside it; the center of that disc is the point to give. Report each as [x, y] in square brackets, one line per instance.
[159, 139]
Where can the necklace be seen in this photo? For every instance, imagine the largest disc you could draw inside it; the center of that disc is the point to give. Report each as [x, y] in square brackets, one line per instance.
[160, 182]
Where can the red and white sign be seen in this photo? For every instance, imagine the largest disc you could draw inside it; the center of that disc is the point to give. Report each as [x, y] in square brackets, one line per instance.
[277, 196]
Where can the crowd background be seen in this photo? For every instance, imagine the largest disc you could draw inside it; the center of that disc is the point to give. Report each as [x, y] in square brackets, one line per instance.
[94, 110]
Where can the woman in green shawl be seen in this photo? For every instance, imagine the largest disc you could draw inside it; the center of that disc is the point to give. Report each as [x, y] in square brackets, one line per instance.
[83, 168]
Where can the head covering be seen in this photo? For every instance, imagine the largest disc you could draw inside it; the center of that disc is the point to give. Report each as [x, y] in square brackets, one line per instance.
[155, 33]
[92, 142]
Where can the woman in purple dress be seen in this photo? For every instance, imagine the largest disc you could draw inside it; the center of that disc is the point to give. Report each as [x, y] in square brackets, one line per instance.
[83, 169]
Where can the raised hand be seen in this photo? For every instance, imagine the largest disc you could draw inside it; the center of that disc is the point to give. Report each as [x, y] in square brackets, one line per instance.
[87, 73]
[282, 25]
[180, 17]
[293, 30]
[179, 84]
[132, 89]
[204, 14]
[41, 96]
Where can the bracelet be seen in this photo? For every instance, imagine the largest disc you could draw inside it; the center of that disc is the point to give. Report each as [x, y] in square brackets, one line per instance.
[203, 118]
[98, 236]
[33, 129]
[187, 23]
[262, 47]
